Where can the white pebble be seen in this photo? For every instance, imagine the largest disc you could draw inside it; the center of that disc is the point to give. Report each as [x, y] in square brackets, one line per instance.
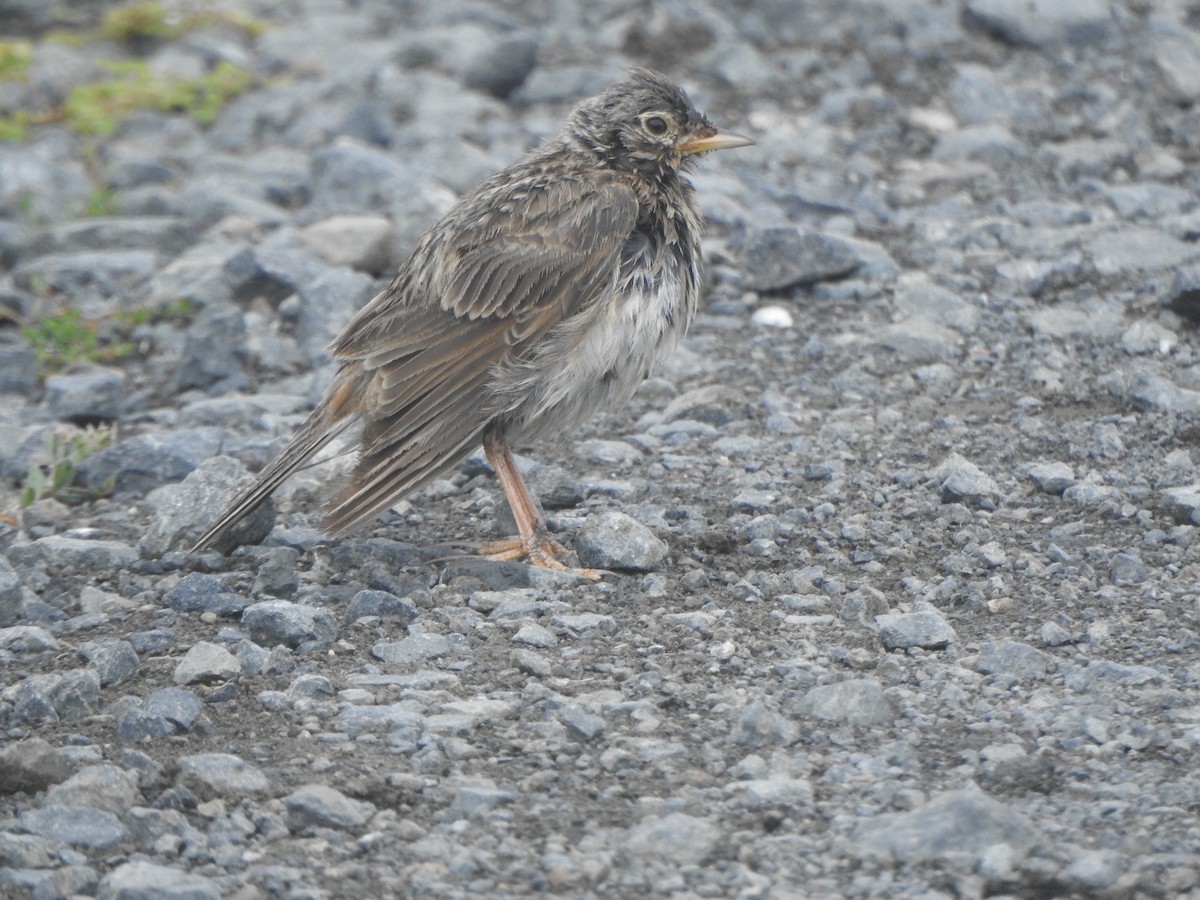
[772, 317]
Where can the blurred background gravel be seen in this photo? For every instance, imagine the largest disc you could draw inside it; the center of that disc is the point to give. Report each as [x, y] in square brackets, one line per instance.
[907, 600]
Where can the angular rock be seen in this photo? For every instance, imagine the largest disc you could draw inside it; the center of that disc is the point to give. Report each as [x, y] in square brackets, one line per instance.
[1044, 23]
[212, 775]
[1183, 504]
[961, 481]
[684, 839]
[147, 461]
[613, 540]
[1014, 658]
[31, 765]
[206, 663]
[963, 821]
[381, 604]
[114, 660]
[142, 880]
[212, 352]
[774, 259]
[182, 512]
[275, 622]
[855, 701]
[99, 787]
[1051, 478]
[86, 397]
[352, 241]
[415, 648]
[57, 552]
[198, 593]
[79, 826]
[321, 806]
[925, 628]
[179, 707]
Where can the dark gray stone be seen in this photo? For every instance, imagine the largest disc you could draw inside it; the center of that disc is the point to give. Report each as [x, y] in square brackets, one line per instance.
[382, 604]
[114, 660]
[502, 68]
[136, 724]
[1184, 504]
[1128, 569]
[87, 397]
[147, 461]
[212, 352]
[182, 512]
[1044, 23]
[924, 628]
[584, 725]
[291, 624]
[774, 259]
[18, 366]
[31, 765]
[200, 593]
[12, 595]
[181, 708]
[270, 274]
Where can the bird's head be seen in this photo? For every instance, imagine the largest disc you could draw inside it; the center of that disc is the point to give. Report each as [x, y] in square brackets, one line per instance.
[646, 124]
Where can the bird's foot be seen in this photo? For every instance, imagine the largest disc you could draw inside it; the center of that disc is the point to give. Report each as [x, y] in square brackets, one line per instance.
[544, 552]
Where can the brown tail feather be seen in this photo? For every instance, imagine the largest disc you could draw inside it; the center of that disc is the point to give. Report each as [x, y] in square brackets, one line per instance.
[424, 452]
[337, 411]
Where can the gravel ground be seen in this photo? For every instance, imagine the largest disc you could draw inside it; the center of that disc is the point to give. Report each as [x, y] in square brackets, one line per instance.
[905, 600]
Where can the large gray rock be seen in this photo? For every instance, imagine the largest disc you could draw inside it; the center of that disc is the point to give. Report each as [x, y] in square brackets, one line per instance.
[962, 821]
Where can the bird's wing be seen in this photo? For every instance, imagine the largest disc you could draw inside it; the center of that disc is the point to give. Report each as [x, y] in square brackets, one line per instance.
[482, 287]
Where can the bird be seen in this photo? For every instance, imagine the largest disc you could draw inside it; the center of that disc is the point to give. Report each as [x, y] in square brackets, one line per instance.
[544, 296]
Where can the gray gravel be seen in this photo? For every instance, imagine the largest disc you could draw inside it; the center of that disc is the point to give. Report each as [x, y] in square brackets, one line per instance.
[902, 600]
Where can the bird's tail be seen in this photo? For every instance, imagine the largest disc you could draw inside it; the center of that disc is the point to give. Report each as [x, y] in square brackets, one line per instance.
[334, 414]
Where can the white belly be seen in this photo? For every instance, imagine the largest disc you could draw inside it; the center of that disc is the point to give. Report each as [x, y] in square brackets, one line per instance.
[594, 365]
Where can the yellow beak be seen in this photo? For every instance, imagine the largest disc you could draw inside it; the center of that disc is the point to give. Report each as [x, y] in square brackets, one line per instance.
[712, 139]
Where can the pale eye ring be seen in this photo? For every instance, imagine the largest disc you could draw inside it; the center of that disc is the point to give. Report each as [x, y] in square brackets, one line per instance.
[656, 125]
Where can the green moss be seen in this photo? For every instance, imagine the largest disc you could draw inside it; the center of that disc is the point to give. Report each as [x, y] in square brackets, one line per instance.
[14, 126]
[98, 108]
[66, 453]
[67, 338]
[15, 57]
[102, 202]
[141, 20]
[150, 21]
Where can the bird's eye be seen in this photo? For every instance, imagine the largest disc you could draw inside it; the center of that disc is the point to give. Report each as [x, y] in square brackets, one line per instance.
[656, 125]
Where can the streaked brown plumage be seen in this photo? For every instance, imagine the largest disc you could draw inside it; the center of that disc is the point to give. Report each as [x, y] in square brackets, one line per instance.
[545, 295]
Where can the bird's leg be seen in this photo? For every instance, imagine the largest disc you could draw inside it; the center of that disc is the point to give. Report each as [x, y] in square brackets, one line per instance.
[533, 539]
